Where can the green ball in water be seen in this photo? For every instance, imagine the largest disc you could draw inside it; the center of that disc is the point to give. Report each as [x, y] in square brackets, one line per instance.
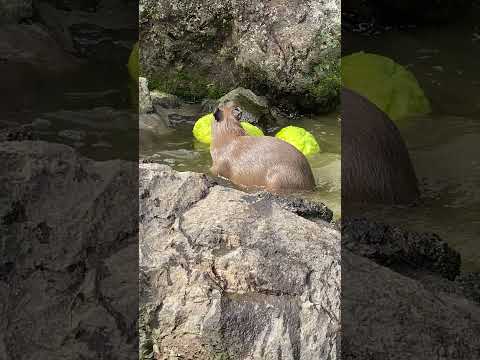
[390, 86]
[202, 130]
[303, 140]
[133, 63]
[251, 130]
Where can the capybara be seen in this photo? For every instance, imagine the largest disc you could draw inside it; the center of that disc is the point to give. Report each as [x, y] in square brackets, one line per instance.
[376, 166]
[251, 161]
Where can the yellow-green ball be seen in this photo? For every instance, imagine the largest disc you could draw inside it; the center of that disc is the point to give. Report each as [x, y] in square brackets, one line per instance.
[303, 140]
[202, 130]
[133, 63]
[389, 85]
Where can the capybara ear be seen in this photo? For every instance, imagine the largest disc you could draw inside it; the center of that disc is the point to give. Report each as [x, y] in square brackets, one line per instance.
[237, 113]
[218, 115]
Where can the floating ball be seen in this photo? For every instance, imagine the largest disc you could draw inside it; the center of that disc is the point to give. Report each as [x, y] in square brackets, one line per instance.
[202, 130]
[390, 86]
[303, 140]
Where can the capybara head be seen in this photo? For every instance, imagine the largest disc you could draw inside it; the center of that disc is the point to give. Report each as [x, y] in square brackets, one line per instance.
[229, 111]
[227, 122]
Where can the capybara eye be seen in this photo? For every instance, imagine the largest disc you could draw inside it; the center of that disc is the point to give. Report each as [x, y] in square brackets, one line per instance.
[237, 112]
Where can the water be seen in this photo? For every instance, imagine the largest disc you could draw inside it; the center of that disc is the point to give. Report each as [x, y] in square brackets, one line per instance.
[179, 149]
[90, 108]
[444, 146]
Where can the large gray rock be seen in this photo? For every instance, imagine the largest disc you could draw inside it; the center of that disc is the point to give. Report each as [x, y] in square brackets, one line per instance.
[30, 58]
[68, 255]
[145, 105]
[388, 316]
[14, 11]
[405, 251]
[103, 31]
[225, 272]
[285, 49]
[230, 275]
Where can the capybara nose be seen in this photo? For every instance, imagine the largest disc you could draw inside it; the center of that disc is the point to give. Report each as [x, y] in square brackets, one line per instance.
[217, 115]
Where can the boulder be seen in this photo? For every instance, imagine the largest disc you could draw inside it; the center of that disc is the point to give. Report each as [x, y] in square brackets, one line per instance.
[287, 50]
[225, 273]
[14, 11]
[103, 31]
[164, 100]
[386, 315]
[153, 123]
[255, 109]
[69, 254]
[405, 251]
[230, 275]
[30, 59]
[144, 100]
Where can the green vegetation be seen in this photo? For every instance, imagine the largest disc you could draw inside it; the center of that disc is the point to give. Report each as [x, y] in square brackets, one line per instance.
[187, 85]
[326, 83]
[221, 356]
[324, 78]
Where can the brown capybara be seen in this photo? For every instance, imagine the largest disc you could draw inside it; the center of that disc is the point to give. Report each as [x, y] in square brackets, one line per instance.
[376, 166]
[251, 161]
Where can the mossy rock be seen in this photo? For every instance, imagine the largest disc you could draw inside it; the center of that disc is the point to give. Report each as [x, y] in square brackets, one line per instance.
[188, 85]
[390, 86]
[202, 130]
[133, 63]
[303, 140]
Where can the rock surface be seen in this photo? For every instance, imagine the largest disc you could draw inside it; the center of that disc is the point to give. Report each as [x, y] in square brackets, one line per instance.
[68, 264]
[14, 11]
[255, 109]
[386, 315]
[30, 58]
[404, 251]
[145, 105]
[225, 272]
[100, 30]
[283, 49]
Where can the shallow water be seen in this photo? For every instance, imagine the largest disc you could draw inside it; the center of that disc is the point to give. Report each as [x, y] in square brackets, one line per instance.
[179, 149]
[444, 146]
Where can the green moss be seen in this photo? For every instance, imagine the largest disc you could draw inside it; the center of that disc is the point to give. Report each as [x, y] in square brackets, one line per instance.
[221, 356]
[325, 79]
[146, 342]
[187, 85]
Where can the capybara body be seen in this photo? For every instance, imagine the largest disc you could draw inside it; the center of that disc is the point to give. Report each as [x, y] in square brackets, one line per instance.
[250, 161]
[376, 166]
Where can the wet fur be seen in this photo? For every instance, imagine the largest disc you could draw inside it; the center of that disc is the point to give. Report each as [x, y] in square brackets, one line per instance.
[250, 161]
[376, 166]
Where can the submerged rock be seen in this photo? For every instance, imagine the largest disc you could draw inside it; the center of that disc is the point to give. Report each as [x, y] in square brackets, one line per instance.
[153, 123]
